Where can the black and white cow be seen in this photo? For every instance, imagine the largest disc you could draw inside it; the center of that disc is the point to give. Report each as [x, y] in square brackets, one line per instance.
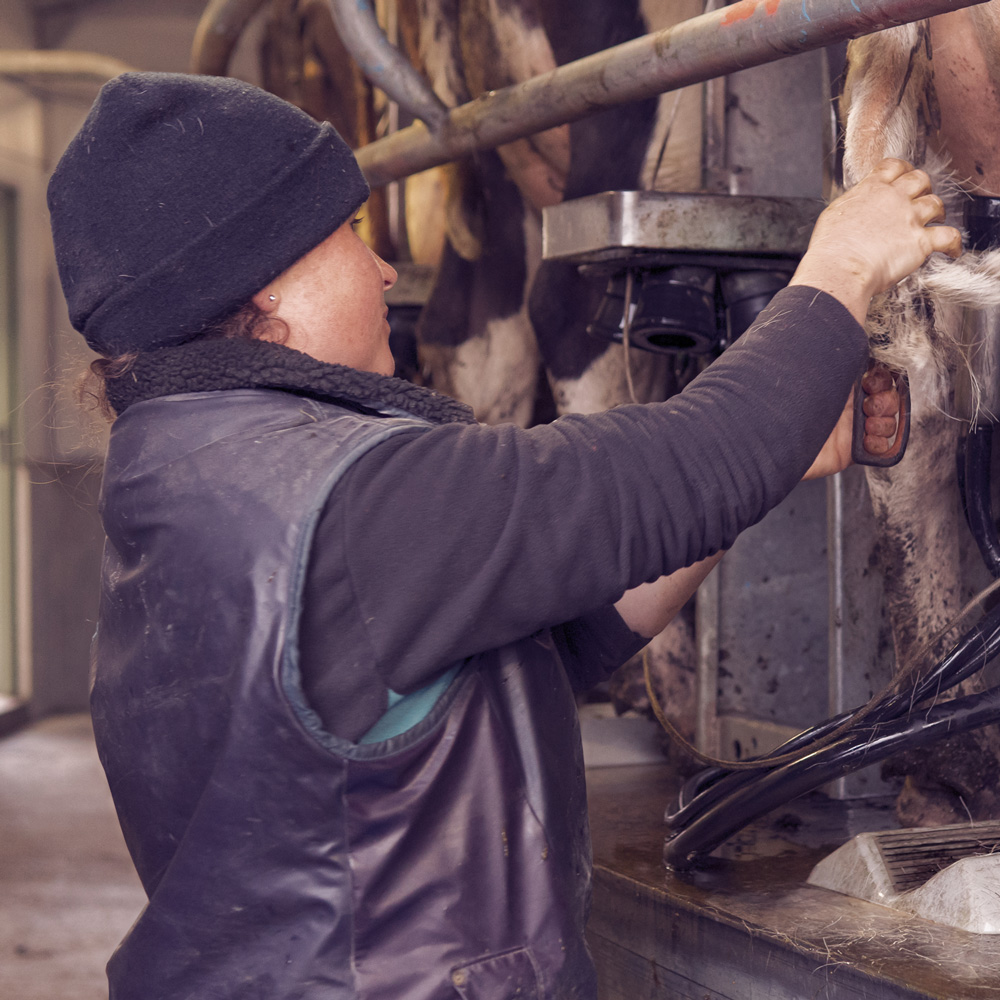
[929, 92]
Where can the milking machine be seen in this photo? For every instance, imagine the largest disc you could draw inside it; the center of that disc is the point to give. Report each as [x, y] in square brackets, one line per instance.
[683, 274]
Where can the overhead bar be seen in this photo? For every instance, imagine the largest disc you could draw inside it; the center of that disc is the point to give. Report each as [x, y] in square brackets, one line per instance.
[744, 34]
[60, 62]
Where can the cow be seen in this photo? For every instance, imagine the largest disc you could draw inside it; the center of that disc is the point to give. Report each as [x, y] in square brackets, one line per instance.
[929, 92]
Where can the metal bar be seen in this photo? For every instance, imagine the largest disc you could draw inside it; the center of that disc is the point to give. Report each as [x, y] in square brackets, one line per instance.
[59, 62]
[383, 64]
[837, 665]
[747, 33]
[715, 171]
[218, 31]
[707, 729]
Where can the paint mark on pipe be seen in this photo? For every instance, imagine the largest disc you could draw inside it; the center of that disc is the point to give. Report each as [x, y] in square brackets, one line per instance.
[746, 8]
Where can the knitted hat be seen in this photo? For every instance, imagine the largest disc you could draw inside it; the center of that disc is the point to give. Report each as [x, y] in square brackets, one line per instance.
[183, 196]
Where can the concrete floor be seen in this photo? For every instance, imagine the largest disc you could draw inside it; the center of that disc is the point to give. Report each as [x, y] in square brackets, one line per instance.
[68, 892]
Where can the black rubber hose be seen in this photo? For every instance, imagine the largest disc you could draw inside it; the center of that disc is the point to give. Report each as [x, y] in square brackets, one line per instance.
[978, 494]
[981, 218]
[969, 654]
[873, 743]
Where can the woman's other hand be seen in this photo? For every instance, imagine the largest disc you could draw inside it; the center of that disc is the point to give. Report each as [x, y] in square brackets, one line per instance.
[881, 407]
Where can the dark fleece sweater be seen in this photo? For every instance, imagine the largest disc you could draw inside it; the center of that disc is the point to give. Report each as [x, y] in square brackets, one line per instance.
[446, 542]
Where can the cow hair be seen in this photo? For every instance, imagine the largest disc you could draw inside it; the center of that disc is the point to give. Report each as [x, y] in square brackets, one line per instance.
[904, 325]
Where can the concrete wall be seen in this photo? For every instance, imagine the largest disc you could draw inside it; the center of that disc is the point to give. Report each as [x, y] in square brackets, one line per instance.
[59, 531]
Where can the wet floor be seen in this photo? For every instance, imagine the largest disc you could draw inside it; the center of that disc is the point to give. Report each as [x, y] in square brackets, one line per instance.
[67, 886]
[747, 926]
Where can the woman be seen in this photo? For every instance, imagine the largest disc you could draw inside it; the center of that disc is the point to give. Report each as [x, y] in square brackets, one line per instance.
[340, 622]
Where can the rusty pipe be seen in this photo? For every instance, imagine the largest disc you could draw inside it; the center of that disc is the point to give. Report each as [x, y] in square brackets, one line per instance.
[383, 64]
[59, 62]
[218, 31]
[744, 34]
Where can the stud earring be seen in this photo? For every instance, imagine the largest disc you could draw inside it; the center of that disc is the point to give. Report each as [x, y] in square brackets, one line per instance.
[272, 298]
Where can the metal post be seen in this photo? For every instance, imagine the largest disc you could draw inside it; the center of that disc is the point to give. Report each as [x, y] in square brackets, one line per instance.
[747, 33]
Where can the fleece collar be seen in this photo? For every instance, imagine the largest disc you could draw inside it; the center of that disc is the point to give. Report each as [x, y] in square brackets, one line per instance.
[212, 364]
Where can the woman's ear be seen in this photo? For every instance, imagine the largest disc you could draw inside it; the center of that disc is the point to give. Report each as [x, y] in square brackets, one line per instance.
[267, 298]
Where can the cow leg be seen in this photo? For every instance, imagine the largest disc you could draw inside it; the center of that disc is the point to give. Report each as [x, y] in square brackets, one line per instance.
[504, 43]
[956, 779]
[921, 534]
[888, 96]
[476, 341]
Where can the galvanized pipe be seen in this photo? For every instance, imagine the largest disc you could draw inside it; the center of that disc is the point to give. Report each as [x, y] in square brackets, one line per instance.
[747, 33]
[60, 62]
[218, 31]
[383, 64]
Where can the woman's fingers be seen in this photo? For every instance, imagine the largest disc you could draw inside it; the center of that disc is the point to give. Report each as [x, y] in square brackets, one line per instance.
[946, 240]
[881, 407]
[929, 208]
[876, 445]
[877, 379]
[891, 168]
[875, 234]
[882, 426]
[881, 404]
[913, 181]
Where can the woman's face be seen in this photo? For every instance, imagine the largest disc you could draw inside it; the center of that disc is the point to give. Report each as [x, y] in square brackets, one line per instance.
[332, 301]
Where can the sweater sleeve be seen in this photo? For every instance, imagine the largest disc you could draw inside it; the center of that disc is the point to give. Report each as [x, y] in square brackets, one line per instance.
[594, 646]
[460, 538]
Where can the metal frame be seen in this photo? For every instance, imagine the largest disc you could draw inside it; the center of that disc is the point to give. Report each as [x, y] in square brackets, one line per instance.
[744, 34]
[722, 41]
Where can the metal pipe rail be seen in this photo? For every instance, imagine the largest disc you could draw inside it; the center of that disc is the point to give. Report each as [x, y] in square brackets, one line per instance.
[60, 62]
[747, 33]
[224, 21]
[383, 64]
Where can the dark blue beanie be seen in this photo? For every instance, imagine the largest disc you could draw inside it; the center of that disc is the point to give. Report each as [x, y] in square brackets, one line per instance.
[181, 197]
